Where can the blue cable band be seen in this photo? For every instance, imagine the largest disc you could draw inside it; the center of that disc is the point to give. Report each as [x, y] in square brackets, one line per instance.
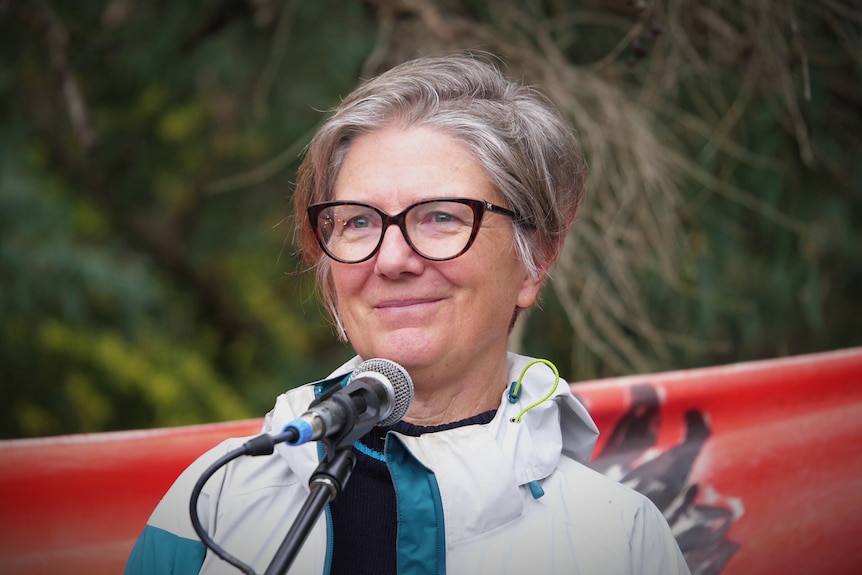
[303, 428]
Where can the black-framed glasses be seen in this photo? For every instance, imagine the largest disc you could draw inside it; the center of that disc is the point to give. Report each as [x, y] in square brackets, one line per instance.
[437, 229]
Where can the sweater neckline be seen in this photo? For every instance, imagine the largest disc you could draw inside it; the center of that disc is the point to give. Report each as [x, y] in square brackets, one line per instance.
[375, 440]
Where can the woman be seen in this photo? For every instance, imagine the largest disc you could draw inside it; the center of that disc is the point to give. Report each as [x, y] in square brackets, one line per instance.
[433, 203]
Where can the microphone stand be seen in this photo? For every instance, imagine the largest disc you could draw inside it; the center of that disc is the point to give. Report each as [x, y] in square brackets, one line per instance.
[327, 483]
[331, 476]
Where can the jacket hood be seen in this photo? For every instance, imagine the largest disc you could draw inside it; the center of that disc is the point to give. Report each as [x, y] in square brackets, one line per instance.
[544, 421]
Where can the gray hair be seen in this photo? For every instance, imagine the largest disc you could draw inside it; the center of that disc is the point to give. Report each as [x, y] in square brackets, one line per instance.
[525, 146]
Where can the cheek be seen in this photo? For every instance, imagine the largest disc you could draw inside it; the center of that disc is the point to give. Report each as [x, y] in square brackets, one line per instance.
[347, 282]
[344, 276]
[493, 291]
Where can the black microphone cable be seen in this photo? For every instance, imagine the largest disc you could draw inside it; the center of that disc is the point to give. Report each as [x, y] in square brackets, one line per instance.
[263, 444]
[343, 415]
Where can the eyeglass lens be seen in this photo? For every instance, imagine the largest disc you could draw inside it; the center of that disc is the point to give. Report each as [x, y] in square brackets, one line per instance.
[436, 230]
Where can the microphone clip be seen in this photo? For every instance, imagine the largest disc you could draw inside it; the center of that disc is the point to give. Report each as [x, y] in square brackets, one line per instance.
[351, 414]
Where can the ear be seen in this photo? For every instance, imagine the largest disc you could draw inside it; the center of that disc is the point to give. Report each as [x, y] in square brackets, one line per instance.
[530, 288]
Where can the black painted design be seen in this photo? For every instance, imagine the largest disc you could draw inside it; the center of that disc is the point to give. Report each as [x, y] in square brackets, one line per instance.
[701, 530]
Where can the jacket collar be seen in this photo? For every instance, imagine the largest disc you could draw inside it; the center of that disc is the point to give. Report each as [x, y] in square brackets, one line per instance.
[479, 468]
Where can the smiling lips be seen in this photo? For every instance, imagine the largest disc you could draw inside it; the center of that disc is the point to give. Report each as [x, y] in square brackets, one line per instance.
[398, 304]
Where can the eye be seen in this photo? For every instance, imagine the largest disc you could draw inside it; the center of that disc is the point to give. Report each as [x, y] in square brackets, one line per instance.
[358, 222]
[355, 221]
[441, 217]
[444, 215]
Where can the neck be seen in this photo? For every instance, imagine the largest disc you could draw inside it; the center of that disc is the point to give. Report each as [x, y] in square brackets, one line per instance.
[444, 399]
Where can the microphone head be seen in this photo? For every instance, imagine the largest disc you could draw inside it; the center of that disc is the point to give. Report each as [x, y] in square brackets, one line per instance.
[400, 388]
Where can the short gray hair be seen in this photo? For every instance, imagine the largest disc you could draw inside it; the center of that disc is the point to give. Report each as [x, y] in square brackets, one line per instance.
[516, 134]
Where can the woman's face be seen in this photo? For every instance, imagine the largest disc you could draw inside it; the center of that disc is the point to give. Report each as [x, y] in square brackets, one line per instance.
[420, 313]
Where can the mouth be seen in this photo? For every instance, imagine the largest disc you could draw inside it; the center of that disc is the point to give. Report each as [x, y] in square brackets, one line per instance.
[406, 304]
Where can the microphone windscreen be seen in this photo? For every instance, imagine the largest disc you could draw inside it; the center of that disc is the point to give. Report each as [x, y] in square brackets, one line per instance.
[402, 385]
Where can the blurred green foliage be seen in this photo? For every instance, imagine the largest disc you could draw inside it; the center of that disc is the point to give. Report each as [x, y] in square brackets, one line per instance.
[147, 274]
[132, 294]
[764, 99]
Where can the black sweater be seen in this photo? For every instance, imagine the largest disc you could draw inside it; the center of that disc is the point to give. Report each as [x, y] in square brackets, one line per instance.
[364, 517]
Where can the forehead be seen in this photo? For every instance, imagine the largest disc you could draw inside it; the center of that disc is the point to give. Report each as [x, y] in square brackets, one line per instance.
[394, 167]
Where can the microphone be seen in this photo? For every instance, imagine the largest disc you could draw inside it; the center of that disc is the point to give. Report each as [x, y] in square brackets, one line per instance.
[379, 391]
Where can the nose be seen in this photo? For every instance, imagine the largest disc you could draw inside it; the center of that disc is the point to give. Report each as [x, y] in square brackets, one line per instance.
[395, 256]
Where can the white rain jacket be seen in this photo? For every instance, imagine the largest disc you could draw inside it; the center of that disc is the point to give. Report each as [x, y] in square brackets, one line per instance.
[506, 497]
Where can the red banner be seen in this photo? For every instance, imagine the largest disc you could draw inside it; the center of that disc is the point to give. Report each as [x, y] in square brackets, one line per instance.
[757, 466]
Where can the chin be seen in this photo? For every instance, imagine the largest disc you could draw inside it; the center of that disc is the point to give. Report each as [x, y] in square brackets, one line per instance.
[406, 349]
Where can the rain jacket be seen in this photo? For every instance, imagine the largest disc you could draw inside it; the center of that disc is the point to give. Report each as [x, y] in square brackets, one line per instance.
[512, 496]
